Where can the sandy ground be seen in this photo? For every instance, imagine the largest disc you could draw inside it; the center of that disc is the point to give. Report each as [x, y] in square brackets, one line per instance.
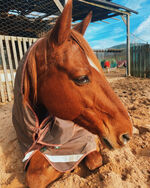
[128, 167]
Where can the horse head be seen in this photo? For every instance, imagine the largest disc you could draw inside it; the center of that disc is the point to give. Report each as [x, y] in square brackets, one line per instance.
[65, 76]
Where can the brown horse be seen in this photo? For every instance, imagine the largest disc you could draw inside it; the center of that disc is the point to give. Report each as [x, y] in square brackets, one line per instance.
[63, 77]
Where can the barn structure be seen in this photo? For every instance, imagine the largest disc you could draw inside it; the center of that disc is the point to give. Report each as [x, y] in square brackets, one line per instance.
[23, 21]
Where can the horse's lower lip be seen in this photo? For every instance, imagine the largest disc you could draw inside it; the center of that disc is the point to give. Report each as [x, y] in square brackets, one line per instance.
[107, 143]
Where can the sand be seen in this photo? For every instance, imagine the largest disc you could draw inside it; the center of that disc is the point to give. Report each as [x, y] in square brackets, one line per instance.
[128, 167]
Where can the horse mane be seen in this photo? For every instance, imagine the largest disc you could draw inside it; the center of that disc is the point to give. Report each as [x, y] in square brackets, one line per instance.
[30, 77]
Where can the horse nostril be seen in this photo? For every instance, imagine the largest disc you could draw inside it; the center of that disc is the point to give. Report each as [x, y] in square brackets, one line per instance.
[107, 143]
[125, 138]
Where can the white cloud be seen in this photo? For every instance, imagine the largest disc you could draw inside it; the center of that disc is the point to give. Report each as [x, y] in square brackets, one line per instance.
[106, 42]
[118, 30]
[143, 26]
[101, 36]
[143, 30]
[135, 4]
[92, 30]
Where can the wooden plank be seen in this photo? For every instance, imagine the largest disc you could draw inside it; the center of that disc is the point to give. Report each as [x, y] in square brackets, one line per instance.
[140, 59]
[134, 60]
[9, 60]
[20, 47]
[136, 65]
[30, 42]
[131, 57]
[145, 59]
[138, 62]
[5, 69]
[2, 91]
[34, 39]
[14, 51]
[25, 45]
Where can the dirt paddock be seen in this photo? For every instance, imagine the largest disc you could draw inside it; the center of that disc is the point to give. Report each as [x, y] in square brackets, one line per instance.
[128, 167]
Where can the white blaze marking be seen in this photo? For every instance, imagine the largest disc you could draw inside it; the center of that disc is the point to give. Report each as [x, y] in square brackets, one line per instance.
[92, 64]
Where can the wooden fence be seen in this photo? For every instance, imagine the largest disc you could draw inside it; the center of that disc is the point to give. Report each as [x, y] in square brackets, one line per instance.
[140, 61]
[12, 50]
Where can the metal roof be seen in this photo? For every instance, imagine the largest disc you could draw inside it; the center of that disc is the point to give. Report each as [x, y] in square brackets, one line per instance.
[30, 18]
[102, 9]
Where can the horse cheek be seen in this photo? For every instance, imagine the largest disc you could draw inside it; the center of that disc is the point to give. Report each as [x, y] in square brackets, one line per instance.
[61, 101]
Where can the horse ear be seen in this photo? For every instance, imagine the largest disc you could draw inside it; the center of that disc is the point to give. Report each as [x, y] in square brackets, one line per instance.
[62, 28]
[82, 26]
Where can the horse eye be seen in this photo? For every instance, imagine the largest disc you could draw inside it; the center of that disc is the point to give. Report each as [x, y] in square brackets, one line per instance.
[82, 80]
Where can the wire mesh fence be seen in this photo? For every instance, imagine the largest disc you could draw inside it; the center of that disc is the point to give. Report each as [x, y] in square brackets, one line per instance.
[27, 18]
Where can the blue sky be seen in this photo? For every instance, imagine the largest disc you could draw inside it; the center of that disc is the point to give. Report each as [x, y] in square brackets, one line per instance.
[102, 35]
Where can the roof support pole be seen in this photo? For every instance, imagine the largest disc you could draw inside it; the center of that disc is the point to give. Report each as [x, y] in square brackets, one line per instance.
[105, 7]
[127, 23]
[128, 44]
[66, 2]
[59, 5]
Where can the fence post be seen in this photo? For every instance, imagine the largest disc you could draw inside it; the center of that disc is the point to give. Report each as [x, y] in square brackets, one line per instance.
[128, 44]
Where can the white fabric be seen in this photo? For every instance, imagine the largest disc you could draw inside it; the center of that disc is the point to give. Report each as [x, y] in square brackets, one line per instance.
[57, 158]
[27, 156]
[64, 158]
